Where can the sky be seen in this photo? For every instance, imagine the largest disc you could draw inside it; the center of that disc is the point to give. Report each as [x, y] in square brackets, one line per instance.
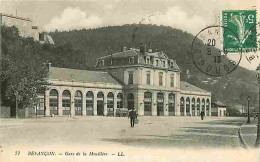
[188, 15]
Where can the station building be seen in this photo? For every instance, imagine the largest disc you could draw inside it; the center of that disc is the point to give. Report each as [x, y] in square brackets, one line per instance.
[133, 78]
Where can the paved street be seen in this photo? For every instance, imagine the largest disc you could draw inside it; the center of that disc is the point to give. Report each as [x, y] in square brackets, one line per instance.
[180, 132]
[249, 133]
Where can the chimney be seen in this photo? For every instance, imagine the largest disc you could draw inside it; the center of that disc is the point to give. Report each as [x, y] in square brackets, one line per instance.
[124, 49]
[48, 66]
[142, 49]
[150, 47]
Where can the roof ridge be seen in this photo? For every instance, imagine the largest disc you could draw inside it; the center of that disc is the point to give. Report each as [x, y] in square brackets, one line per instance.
[116, 53]
[193, 85]
[80, 69]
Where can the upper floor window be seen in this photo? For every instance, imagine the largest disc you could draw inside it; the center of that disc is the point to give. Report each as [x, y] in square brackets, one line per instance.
[147, 60]
[160, 79]
[157, 62]
[148, 78]
[172, 80]
[130, 78]
[102, 62]
[131, 60]
[163, 63]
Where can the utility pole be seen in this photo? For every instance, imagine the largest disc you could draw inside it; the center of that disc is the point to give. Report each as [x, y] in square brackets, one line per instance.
[248, 113]
[0, 62]
[16, 105]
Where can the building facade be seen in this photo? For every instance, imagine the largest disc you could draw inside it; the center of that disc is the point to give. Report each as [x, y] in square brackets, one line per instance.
[133, 78]
[218, 109]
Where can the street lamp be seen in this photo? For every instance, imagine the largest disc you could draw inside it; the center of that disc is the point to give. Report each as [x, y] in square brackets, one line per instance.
[16, 104]
[248, 115]
[258, 125]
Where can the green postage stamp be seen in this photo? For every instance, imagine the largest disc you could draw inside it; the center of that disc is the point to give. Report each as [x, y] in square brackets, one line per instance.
[240, 31]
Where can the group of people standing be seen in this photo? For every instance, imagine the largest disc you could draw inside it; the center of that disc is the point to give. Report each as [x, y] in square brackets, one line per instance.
[133, 116]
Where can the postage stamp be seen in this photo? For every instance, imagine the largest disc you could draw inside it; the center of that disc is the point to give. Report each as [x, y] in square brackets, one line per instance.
[240, 31]
[209, 55]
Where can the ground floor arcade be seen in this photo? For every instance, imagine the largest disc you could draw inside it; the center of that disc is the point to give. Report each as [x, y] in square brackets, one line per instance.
[73, 101]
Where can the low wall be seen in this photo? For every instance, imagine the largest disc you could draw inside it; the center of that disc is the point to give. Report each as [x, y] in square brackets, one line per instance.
[5, 112]
[214, 113]
[26, 113]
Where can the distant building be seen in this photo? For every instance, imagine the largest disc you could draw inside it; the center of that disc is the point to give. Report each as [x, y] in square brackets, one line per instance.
[133, 78]
[45, 38]
[25, 26]
[218, 109]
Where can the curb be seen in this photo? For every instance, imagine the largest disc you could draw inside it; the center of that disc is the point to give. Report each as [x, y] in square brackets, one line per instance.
[242, 141]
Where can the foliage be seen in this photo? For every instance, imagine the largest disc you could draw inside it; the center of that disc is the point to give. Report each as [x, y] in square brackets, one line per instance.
[232, 88]
[232, 111]
[23, 72]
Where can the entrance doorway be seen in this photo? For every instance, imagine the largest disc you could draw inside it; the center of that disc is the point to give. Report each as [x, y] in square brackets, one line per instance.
[160, 104]
[148, 103]
[182, 106]
[171, 106]
[130, 101]
[100, 103]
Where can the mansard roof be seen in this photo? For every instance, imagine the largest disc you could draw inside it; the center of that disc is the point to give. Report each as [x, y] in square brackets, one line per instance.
[128, 53]
[185, 86]
[134, 52]
[85, 76]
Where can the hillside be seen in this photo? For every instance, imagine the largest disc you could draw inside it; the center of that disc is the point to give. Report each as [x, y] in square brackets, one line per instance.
[231, 89]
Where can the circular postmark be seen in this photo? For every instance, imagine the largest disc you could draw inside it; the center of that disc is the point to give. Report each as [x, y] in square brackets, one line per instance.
[209, 55]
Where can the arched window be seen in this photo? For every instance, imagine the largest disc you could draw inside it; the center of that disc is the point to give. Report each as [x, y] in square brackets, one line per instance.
[171, 105]
[100, 103]
[182, 106]
[203, 105]
[147, 103]
[110, 104]
[66, 100]
[130, 101]
[207, 107]
[193, 106]
[78, 103]
[40, 107]
[160, 104]
[198, 106]
[53, 102]
[120, 101]
[90, 103]
[187, 106]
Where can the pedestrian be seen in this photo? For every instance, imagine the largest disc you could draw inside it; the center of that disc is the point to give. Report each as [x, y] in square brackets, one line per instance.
[133, 116]
[202, 114]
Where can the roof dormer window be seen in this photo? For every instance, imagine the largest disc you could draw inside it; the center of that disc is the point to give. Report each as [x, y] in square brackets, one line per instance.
[147, 60]
[163, 63]
[131, 60]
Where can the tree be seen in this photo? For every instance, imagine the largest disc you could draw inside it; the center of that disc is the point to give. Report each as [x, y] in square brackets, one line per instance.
[23, 72]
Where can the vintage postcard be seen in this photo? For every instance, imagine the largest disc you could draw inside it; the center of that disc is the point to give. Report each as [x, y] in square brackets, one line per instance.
[129, 80]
